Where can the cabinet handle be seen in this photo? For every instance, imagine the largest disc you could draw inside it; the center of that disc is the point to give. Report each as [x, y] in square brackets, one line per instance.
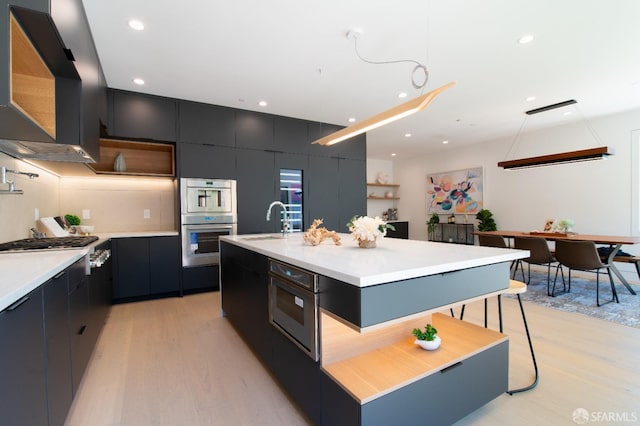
[451, 367]
[17, 304]
[81, 330]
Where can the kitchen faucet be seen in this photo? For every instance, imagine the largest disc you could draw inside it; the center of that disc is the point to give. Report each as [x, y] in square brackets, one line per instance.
[285, 220]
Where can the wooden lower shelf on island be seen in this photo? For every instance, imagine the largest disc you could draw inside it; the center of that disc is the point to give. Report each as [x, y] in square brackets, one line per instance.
[399, 383]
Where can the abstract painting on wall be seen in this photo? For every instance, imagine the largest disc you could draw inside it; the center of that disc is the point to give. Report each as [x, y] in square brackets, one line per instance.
[457, 192]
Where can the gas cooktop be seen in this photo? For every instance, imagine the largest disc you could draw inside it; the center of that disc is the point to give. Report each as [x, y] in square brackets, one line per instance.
[47, 243]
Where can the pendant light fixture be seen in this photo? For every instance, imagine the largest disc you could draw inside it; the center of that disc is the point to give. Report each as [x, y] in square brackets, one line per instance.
[386, 117]
[590, 154]
[396, 113]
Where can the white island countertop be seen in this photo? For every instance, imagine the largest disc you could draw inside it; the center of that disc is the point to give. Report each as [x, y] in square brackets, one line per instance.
[392, 260]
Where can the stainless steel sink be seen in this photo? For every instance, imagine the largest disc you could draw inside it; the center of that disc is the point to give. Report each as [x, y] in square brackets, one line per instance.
[262, 237]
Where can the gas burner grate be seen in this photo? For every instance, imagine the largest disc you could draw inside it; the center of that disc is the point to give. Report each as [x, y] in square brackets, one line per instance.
[49, 243]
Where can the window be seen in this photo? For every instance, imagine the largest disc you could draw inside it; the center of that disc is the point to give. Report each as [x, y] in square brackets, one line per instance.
[291, 196]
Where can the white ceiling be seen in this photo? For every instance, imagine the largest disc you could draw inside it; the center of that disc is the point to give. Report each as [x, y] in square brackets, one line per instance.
[295, 55]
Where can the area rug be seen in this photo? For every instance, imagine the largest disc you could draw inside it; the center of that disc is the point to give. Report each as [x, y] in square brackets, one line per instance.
[582, 298]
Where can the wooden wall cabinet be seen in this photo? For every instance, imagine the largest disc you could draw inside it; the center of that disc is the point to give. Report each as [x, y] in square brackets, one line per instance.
[140, 158]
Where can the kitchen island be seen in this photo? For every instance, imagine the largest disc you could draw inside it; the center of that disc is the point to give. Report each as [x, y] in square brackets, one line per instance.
[368, 371]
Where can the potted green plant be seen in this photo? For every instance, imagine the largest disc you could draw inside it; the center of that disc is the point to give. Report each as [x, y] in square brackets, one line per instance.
[486, 221]
[432, 222]
[427, 339]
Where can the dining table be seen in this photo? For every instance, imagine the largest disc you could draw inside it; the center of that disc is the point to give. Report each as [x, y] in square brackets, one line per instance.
[613, 241]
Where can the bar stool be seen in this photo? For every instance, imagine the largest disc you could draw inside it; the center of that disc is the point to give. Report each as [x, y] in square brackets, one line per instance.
[517, 288]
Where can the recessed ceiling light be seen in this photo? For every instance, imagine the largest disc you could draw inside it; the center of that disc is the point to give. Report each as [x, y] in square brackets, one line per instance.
[136, 25]
[138, 81]
[525, 39]
[531, 98]
[407, 135]
[445, 142]
[263, 103]
[402, 95]
[567, 113]
[393, 154]
[352, 120]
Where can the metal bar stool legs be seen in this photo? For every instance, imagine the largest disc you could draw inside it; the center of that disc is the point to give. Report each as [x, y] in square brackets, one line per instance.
[517, 288]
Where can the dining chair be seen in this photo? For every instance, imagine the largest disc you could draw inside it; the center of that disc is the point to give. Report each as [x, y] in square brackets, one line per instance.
[539, 254]
[492, 241]
[583, 256]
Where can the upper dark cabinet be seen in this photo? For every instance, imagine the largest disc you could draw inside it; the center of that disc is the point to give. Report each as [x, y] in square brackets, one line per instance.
[354, 148]
[291, 135]
[206, 124]
[139, 116]
[39, 85]
[254, 130]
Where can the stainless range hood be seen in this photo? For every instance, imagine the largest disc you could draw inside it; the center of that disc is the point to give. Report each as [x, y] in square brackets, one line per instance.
[28, 150]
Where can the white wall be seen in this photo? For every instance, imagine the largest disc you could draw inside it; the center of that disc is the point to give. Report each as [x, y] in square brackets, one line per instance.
[377, 207]
[597, 195]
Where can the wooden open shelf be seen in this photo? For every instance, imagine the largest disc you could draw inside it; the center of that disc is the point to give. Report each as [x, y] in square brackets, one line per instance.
[33, 87]
[141, 158]
[381, 370]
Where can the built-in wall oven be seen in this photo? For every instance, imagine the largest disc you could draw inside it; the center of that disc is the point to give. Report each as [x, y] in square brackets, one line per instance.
[293, 305]
[208, 211]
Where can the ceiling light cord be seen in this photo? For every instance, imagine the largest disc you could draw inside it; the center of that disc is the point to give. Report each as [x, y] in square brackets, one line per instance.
[418, 67]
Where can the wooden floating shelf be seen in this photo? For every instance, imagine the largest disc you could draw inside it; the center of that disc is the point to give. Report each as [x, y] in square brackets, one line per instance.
[141, 158]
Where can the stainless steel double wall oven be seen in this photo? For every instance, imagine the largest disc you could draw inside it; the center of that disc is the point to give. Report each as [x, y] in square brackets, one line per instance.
[208, 211]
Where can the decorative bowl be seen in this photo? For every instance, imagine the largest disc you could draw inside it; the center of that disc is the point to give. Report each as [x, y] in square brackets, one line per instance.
[429, 345]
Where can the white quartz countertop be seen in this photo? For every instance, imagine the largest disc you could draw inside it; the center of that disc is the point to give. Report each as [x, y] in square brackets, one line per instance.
[22, 272]
[392, 260]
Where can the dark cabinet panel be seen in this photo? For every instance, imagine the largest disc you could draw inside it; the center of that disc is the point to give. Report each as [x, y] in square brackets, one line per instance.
[22, 370]
[135, 115]
[131, 263]
[254, 130]
[200, 278]
[321, 198]
[164, 264]
[291, 135]
[206, 161]
[206, 124]
[146, 266]
[100, 293]
[354, 148]
[318, 130]
[57, 348]
[402, 230]
[352, 189]
[256, 186]
[79, 322]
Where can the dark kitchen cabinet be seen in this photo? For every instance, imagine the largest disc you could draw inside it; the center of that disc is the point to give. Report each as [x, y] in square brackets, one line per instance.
[135, 115]
[317, 131]
[146, 266]
[22, 370]
[207, 161]
[206, 124]
[321, 198]
[401, 230]
[57, 348]
[256, 186]
[100, 291]
[40, 87]
[200, 278]
[352, 190]
[79, 322]
[254, 130]
[291, 135]
[245, 297]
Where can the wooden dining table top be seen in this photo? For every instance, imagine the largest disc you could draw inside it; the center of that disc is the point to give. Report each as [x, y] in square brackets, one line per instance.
[552, 236]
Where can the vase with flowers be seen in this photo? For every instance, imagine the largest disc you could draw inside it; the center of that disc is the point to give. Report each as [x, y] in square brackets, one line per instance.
[366, 230]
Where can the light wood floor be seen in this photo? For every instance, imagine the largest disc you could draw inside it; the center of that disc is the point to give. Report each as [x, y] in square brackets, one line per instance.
[176, 361]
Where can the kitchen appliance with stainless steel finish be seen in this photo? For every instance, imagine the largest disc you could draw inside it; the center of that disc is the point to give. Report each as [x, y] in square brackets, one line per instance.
[47, 243]
[208, 211]
[293, 305]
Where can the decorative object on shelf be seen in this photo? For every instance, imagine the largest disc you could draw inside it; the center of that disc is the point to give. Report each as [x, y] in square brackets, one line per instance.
[392, 214]
[366, 230]
[119, 164]
[431, 223]
[458, 191]
[388, 194]
[315, 235]
[487, 223]
[382, 178]
[427, 339]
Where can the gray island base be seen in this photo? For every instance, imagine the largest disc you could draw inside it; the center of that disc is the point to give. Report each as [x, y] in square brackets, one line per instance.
[369, 370]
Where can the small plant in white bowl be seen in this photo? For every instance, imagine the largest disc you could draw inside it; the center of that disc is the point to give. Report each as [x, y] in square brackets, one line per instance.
[427, 339]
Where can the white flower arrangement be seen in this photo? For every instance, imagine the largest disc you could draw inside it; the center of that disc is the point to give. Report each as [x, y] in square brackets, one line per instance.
[365, 228]
[565, 225]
